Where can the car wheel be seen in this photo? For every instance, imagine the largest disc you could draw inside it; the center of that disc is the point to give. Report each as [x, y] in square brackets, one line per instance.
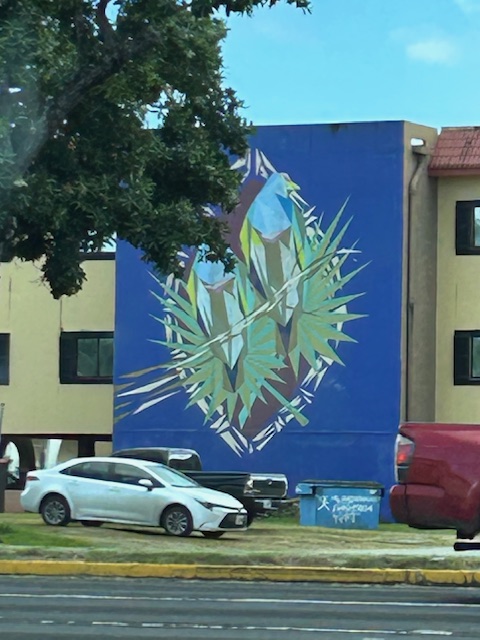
[177, 521]
[55, 511]
[91, 523]
[213, 534]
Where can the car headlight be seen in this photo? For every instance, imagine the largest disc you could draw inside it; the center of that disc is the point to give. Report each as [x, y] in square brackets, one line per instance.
[210, 505]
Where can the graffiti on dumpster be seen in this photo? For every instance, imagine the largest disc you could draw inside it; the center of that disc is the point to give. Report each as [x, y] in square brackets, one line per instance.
[347, 508]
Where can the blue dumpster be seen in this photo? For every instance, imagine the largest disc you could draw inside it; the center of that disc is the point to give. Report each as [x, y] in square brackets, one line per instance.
[339, 504]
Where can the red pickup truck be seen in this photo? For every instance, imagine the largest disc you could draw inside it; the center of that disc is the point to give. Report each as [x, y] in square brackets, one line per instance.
[438, 477]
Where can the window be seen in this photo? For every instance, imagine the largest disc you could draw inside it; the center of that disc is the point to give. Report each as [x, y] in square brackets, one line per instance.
[4, 358]
[86, 357]
[90, 470]
[128, 474]
[467, 357]
[468, 227]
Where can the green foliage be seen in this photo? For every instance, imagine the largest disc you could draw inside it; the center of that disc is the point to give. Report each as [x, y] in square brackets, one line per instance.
[77, 163]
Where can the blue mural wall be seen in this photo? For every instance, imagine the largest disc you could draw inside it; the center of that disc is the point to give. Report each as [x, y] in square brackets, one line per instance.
[292, 363]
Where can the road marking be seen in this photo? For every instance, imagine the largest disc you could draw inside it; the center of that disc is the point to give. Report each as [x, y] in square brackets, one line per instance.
[278, 629]
[232, 627]
[286, 601]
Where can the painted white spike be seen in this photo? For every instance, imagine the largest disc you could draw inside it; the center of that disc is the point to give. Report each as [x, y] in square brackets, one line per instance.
[148, 387]
[153, 402]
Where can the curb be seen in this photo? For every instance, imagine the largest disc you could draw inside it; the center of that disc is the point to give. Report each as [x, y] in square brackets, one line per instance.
[240, 572]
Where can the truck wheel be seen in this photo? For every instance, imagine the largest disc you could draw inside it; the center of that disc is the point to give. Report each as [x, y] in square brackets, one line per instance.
[55, 510]
[177, 521]
[463, 535]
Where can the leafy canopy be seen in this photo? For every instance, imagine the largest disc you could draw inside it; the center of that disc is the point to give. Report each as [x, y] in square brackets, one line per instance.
[78, 79]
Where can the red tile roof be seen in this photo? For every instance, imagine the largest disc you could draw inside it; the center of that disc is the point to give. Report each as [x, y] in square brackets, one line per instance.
[457, 152]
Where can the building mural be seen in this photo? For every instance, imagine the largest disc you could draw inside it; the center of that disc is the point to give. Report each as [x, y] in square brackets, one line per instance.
[292, 362]
[251, 347]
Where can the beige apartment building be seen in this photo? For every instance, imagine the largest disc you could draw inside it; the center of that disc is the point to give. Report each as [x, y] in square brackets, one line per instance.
[56, 364]
[455, 166]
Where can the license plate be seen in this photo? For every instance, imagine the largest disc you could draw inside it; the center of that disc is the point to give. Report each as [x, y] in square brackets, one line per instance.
[240, 520]
[267, 504]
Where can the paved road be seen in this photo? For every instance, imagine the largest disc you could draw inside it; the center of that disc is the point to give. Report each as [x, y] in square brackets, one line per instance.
[37, 608]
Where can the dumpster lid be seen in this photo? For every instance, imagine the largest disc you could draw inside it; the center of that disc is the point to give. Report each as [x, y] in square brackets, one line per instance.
[350, 484]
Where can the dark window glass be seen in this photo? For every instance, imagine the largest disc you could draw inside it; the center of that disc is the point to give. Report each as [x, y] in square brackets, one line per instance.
[476, 357]
[184, 462]
[91, 470]
[466, 369]
[86, 357]
[4, 358]
[476, 223]
[467, 233]
[105, 357]
[128, 474]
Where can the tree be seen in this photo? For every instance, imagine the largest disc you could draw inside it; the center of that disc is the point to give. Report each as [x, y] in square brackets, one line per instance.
[77, 163]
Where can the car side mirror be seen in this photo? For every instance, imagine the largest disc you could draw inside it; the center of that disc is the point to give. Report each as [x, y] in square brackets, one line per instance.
[148, 484]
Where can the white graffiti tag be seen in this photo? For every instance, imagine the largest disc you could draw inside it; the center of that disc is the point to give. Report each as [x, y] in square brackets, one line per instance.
[323, 504]
[347, 508]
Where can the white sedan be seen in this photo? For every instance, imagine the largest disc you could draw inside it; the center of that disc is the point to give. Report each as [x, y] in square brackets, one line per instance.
[97, 490]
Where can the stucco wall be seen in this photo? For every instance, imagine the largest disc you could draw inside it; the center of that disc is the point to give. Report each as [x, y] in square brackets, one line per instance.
[458, 303]
[35, 401]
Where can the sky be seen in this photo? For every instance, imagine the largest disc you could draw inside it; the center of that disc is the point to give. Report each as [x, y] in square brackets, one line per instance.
[356, 60]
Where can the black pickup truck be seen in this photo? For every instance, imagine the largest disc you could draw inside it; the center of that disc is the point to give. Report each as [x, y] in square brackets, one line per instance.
[258, 492]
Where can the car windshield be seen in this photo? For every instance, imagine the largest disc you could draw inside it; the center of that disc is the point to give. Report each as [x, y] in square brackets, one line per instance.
[171, 477]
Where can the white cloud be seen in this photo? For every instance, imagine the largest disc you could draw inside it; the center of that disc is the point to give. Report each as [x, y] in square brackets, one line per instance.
[468, 6]
[426, 43]
[433, 50]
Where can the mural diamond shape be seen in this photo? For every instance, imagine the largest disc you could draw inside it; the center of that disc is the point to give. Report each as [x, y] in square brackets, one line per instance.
[251, 347]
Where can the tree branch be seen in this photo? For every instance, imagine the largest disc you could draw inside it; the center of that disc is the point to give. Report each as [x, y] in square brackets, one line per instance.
[106, 31]
[84, 81]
